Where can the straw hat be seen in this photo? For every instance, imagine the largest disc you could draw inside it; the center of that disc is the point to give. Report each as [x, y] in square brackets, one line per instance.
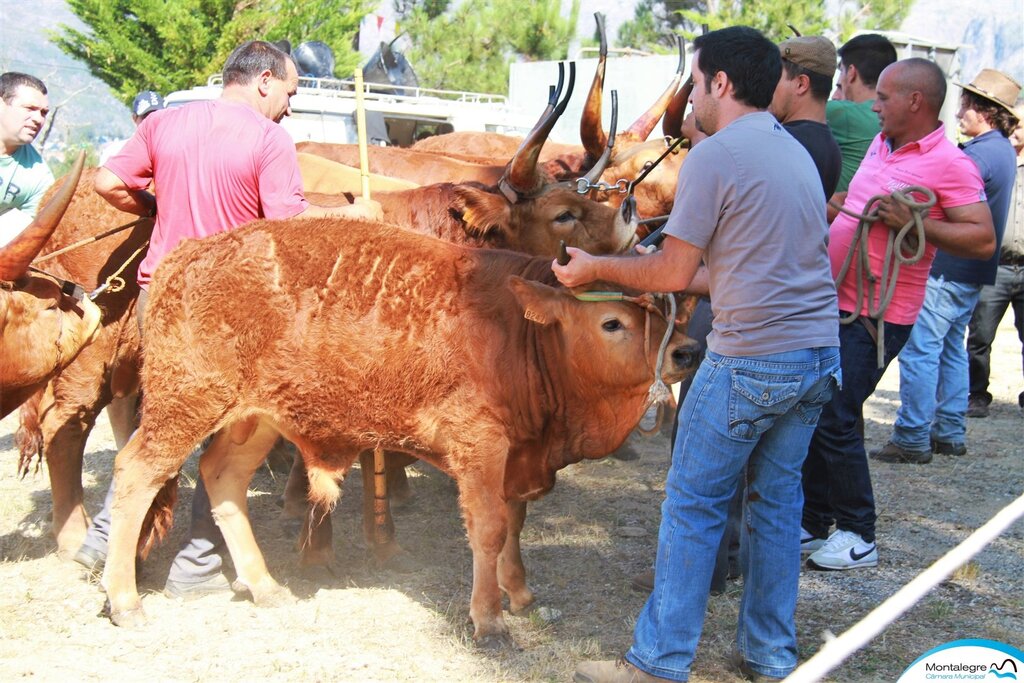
[995, 86]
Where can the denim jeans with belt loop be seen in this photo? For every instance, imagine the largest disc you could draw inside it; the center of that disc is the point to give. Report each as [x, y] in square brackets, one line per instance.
[933, 368]
[754, 413]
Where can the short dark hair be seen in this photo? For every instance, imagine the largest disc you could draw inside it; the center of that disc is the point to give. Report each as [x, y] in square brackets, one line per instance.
[870, 54]
[250, 59]
[821, 85]
[995, 115]
[751, 61]
[12, 80]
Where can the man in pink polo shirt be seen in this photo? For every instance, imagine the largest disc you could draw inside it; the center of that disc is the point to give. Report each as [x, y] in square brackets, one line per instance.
[215, 165]
[911, 150]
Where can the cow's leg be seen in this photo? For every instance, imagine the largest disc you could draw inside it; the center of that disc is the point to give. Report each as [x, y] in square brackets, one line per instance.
[511, 572]
[65, 424]
[227, 467]
[379, 533]
[487, 528]
[316, 542]
[399, 492]
[123, 415]
[141, 469]
[296, 491]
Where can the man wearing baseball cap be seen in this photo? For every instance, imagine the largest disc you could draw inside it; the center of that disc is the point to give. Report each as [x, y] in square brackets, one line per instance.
[808, 65]
[932, 417]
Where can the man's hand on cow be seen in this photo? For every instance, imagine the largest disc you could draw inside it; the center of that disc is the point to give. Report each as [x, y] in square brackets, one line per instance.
[578, 271]
[893, 213]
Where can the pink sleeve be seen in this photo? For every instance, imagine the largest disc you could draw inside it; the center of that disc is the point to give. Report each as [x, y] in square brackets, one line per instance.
[961, 184]
[280, 181]
[133, 164]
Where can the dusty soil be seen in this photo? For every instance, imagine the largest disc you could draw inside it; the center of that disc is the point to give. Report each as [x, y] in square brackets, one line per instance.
[581, 545]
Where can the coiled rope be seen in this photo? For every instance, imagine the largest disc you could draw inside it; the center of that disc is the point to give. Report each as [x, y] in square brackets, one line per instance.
[895, 256]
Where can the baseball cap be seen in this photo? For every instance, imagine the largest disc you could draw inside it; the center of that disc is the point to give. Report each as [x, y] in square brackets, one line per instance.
[814, 53]
[147, 102]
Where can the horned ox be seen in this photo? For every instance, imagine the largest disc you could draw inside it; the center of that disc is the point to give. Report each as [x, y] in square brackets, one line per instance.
[472, 359]
[42, 328]
[56, 423]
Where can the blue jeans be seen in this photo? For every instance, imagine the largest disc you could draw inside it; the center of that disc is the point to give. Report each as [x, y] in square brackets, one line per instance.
[753, 413]
[933, 368]
[837, 483]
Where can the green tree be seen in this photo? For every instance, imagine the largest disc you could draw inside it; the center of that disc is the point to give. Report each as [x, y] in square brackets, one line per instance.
[134, 45]
[657, 20]
[470, 47]
[654, 25]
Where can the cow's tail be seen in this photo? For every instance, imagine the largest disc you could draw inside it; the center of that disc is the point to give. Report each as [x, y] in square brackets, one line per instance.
[160, 517]
[29, 437]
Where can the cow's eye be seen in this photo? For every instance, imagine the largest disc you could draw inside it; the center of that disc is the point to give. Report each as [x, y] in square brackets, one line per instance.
[611, 325]
[565, 217]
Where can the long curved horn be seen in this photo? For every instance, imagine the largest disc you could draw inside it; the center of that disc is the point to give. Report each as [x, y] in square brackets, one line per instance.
[673, 120]
[643, 126]
[16, 256]
[554, 92]
[602, 163]
[591, 131]
[521, 174]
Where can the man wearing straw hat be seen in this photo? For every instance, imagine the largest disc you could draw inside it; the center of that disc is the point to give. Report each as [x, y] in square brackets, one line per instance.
[932, 416]
[1008, 290]
[215, 165]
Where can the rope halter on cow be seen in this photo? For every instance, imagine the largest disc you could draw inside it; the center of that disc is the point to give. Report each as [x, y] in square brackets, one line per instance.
[894, 258]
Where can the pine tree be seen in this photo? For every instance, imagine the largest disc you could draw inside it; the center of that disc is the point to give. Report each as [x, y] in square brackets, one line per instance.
[470, 47]
[134, 45]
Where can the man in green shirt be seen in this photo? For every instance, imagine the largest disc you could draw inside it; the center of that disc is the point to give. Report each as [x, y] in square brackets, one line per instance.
[849, 115]
[24, 176]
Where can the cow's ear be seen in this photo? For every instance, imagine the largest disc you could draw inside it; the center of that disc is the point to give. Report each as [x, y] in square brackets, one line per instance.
[482, 212]
[541, 304]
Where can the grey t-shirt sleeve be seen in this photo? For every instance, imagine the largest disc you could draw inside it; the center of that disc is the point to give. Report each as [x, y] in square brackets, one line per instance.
[701, 193]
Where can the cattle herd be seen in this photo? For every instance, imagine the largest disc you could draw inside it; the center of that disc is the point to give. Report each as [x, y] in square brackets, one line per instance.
[439, 334]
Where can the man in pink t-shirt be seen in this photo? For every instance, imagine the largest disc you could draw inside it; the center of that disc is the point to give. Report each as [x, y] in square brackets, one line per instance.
[215, 166]
[911, 150]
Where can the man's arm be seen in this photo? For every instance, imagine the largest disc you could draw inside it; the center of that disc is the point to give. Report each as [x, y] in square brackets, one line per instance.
[117, 193]
[670, 269]
[967, 231]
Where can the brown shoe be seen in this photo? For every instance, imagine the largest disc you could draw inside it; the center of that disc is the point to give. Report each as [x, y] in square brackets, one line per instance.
[612, 671]
[643, 582]
[742, 667]
[891, 452]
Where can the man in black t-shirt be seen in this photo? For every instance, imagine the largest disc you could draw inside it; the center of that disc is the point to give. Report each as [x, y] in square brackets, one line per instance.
[808, 66]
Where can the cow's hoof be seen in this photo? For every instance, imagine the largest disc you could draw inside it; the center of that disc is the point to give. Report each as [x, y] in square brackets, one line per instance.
[495, 642]
[134, 617]
[523, 606]
[309, 558]
[276, 596]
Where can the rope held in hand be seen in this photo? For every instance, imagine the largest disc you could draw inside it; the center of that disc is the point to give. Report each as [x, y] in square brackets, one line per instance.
[903, 247]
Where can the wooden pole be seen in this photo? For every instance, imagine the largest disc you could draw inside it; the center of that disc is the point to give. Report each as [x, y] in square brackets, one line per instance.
[364, 162]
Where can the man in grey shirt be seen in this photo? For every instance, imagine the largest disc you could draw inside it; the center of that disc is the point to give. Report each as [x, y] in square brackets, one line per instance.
[772, 362]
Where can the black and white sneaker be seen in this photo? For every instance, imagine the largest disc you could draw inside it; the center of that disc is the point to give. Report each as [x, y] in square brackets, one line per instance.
[844, 550]
[809, 543]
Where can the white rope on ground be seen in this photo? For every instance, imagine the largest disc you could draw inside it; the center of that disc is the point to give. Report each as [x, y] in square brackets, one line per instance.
[834, 652]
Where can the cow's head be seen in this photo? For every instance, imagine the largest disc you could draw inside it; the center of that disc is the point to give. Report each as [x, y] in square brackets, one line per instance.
[530, 212]
[42, 329]
[536, 224]
[606, 353]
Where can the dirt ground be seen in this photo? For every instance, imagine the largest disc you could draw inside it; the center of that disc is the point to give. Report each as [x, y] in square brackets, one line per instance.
[581, 544]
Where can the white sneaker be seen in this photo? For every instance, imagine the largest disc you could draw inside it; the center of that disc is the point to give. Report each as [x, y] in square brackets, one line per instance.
[809, 543]
[844, 550]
